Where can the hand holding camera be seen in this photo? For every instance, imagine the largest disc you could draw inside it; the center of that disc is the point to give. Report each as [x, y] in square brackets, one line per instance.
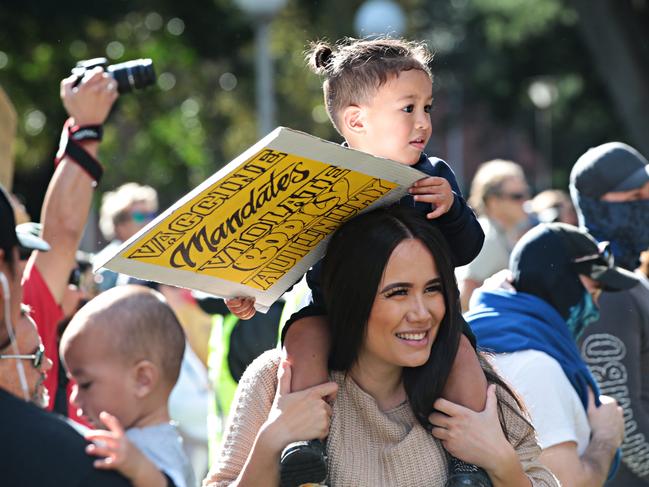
[94, 85]
[88, 96]
[89, 101]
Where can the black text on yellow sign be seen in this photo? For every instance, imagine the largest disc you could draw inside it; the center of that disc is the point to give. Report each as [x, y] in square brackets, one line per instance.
[254, 225]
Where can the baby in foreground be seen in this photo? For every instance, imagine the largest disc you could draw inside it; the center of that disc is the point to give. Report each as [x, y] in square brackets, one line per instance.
[124, 350]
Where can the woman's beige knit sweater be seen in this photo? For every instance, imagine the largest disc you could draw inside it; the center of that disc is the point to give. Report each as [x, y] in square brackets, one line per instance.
[367, 447]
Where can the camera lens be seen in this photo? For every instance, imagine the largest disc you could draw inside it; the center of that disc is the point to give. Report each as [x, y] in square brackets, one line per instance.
[132, 75]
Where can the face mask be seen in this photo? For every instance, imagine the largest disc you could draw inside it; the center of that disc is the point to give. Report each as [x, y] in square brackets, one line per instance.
[10, 332]
[582, 314]
[625, 225]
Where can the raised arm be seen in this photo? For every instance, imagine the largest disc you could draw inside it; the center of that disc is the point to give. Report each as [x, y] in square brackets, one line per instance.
[69, 194]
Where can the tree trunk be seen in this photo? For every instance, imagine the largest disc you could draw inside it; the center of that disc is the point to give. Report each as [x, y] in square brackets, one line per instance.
[614, 39]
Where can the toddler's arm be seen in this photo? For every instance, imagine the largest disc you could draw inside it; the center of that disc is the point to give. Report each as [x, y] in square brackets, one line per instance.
[120, 454]
[305, 337]
[306, 345]
[466, 384]
[459, 224]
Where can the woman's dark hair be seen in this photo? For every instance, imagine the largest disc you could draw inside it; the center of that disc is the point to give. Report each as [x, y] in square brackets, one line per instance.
[355, 68]
[352, 270]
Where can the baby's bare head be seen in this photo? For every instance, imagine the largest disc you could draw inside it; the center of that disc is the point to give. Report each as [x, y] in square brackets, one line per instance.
[132, 323]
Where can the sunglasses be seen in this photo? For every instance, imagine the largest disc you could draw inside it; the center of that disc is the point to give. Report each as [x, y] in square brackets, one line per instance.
[604, 255]
[36, 358]
[513, 196]
[142, 216]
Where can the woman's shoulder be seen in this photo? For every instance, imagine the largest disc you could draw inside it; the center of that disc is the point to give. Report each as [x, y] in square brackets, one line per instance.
[338, 377]
[256, 390]
[262, 371]
[267, 361]
[517, 424]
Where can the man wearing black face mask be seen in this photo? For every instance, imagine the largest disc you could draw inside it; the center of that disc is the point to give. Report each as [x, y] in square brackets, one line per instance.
[610, 188]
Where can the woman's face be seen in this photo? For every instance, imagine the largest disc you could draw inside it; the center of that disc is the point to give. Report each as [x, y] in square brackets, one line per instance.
[506, 204]
[407, 310]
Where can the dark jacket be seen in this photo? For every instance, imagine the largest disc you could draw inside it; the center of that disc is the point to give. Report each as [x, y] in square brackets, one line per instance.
[40, 449]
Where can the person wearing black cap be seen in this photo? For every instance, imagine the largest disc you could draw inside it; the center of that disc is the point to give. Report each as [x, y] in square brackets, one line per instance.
[609, 185]
[39, 449]
[556, 275]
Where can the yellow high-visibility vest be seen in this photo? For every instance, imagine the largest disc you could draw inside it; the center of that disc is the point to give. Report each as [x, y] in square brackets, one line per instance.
[222, 381]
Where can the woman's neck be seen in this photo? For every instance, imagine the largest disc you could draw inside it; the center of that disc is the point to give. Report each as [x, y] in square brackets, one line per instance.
[380, 380]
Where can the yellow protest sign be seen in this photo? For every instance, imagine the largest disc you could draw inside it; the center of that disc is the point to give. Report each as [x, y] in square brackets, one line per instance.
[257, 225]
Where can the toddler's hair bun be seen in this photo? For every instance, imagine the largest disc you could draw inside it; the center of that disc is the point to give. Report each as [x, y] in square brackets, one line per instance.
[321, 57]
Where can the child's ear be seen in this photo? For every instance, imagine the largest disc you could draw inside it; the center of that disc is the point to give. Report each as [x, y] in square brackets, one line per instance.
[353, 119]
[146, 375]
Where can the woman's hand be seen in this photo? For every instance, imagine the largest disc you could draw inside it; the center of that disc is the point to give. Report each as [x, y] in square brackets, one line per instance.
[476, 438]
[295, 416]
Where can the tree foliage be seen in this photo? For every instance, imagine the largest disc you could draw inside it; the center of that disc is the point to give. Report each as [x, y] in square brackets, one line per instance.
[201, 113]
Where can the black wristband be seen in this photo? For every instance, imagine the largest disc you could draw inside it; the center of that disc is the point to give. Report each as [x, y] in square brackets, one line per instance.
[86, 132]
[85, 160]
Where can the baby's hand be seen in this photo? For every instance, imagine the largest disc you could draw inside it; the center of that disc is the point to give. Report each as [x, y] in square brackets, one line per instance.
[114, 446]
[242, 308]
[120, 454]
[436, 191]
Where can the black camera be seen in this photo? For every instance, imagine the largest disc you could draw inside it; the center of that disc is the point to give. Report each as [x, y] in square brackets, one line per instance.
[130, 75]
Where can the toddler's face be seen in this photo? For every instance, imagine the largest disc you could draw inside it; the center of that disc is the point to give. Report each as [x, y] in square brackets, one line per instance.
[104, 381]
[397, 118]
